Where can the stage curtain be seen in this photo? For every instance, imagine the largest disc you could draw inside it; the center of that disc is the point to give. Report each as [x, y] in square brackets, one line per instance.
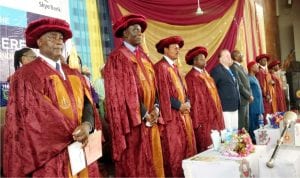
[251, 38]
[229, 31]
[209, 35]
[175, 12]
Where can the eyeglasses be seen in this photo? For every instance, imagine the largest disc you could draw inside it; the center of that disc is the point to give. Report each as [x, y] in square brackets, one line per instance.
[55, 36]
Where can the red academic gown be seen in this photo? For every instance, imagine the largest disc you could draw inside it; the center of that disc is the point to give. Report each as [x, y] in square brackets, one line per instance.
[126, 87]
[42, 112]
[206, 110]
[178, 140]
[264, 79]
[279, 93]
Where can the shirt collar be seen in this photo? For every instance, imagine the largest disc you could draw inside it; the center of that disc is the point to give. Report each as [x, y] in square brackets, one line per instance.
[198, 69]
[129, 46]
[262, 67]
[226, 67]
[50, 61]
[237, 63]
[170, 61]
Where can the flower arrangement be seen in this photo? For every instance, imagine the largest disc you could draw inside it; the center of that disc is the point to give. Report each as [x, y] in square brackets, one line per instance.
[244, 144]
[239, 146]
[275, 119]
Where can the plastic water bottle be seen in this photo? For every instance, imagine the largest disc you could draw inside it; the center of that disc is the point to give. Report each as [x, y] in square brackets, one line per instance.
[261, 121]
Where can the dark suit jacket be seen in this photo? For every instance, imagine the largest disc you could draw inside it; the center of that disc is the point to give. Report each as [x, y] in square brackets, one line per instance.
[243, 81]
[227, 88]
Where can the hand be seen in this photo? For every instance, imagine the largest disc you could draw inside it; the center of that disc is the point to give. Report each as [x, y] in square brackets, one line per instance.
[271, 82]
[155, 113]
[81, 133]
[152, 117]
[251, 98]
[185, 108]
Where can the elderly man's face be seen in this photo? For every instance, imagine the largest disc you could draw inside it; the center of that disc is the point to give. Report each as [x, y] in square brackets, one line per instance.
[172, 51]
[51, 45]
[225, 58]
[200, 61]
[238, 56]
[133, 34]
[263, 61]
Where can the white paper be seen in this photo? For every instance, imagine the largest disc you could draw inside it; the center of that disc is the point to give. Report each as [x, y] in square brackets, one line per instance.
[77, 157]
[93, 149]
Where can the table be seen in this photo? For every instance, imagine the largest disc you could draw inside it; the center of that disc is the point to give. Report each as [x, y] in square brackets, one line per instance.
[286, 164]
[212, 164]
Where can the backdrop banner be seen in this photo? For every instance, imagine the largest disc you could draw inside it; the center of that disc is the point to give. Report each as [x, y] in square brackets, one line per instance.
[14, 17]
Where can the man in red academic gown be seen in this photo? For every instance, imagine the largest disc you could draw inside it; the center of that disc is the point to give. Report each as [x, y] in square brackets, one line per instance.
[265, 82]
[131, 106]
[206, 108]
[49, 107]
[279, 96]
[178, 139]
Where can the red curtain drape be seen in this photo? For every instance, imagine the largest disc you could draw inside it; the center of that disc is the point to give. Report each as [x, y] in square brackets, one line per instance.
[230, 39]
[175, 12]
[182, 12]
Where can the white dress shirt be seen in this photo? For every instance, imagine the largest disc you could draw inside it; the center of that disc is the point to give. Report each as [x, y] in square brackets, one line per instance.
[130, 47]
[198, 69]
[170, 61]
[52, 64]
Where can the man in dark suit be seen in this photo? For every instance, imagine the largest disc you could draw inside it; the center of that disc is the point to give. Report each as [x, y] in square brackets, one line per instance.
[244, 89]
[227, 86]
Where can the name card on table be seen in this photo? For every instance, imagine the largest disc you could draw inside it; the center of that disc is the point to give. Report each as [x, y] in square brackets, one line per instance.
[267, 136]
[292, 136]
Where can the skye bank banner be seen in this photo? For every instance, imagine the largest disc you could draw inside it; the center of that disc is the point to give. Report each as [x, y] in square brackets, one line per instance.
[14, 17]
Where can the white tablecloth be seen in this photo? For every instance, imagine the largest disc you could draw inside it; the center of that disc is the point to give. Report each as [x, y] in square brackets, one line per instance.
[211, 164]
[286, 164]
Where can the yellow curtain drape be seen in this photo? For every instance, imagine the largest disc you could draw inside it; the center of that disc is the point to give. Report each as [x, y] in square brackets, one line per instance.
[209, 35]
[250, 37]
[95, 38]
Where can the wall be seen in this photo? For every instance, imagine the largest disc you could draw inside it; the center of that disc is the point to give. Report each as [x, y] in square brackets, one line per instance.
[288, 16]
[271, 27]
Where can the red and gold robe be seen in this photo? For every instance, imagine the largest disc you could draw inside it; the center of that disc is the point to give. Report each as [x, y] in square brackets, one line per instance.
[43, 111]
[178, 140]
[206, 110]
[264, 79]
[136, 148]
[279, 96]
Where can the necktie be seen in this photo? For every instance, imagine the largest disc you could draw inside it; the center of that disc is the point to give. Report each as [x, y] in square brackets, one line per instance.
[230, 72]
[57, 67]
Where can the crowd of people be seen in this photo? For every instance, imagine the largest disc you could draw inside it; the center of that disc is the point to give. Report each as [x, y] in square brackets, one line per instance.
[151, 115]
